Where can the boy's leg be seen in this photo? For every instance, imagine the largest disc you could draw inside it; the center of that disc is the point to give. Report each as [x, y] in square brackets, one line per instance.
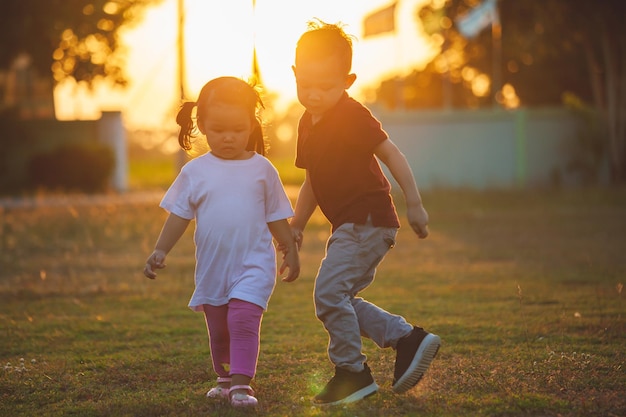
[415, 348]
[379, 325]
[414, 351]
[348, 268]
[341, 275]
[353, 254]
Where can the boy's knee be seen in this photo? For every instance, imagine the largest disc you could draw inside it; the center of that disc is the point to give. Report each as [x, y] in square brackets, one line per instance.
[328, 301]
[324, 298]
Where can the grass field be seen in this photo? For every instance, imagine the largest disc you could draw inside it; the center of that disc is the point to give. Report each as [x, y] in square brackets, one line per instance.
[152, 169]
[524, 287]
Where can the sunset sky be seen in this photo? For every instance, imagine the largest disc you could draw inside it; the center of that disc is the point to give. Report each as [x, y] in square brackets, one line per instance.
[220, 37]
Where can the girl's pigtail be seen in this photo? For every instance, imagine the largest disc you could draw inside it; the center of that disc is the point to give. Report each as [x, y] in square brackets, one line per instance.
[256, 142]
[187, 128]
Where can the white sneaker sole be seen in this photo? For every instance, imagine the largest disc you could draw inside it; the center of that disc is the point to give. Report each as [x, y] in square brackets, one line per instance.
[419, 365]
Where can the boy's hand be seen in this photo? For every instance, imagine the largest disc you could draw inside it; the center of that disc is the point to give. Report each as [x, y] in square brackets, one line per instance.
[297, 237]
[155, 261]
[418, 219]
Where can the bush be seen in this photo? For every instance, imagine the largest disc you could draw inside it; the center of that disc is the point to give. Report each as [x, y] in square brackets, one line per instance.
[85, 167]
[14, 140]
[587, 154]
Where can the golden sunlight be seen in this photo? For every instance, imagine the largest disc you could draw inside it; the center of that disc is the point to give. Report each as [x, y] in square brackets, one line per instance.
[219, 40]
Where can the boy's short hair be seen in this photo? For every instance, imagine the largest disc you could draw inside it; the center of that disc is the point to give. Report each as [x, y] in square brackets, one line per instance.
[323, 40]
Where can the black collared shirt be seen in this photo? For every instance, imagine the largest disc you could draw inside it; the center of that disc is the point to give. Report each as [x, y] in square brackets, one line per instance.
[338, 154]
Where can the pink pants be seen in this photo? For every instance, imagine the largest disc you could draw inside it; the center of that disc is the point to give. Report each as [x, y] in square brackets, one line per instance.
[234, 330]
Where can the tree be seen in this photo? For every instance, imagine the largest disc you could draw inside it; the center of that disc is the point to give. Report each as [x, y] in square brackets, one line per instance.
[67, 38]
[43, 43]
[550, 49]
[584, 45]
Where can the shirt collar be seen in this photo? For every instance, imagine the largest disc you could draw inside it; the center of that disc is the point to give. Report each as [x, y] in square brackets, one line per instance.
[344, 97]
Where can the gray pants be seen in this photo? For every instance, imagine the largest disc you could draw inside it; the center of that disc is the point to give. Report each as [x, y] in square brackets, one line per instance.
[352, 254]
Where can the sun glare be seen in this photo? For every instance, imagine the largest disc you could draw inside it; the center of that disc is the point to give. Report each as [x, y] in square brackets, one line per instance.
[220, 38]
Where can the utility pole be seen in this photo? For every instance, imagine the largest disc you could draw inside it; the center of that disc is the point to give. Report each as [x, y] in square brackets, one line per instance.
[181, 155]
[181, 48]
[256, 72]
[496, 42]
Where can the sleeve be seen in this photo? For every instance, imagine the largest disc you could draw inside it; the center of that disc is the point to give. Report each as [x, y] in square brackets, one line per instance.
[177, 199]
[277, 204]
[370, 132]
[300, 161]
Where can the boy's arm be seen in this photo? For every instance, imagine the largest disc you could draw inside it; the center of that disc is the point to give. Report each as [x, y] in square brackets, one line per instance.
[173, 229]
[305, 206]
[282, 233]
[395, 160]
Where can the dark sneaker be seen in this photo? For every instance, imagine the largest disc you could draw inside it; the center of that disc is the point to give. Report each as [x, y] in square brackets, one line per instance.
[414, 353]
[346, 387]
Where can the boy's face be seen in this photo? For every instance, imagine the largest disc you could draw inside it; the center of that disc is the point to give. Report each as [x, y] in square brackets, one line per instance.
[320, 84]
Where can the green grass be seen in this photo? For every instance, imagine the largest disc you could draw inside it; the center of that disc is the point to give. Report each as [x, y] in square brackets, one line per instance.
[152, 169]
[289, 174]
[524, 287]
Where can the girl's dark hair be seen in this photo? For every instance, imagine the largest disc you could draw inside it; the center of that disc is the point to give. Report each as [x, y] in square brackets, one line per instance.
[230, 90]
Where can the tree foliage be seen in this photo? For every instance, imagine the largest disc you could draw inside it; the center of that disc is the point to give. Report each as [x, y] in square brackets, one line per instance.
[550, 49]
[67, 38]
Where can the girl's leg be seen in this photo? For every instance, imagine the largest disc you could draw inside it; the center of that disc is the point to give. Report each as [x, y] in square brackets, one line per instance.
[219, 338]
[244, 324]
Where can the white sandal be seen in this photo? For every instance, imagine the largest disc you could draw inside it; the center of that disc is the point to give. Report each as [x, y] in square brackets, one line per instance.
[243, 400]
[219, 391]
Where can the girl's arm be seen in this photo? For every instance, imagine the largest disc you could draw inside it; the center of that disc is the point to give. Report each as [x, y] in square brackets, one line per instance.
[173, 229]
[305, 206]
[282, 233]
[395, 160]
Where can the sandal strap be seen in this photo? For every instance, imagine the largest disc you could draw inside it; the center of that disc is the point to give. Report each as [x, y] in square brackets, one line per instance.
[222, 379]
[246, 387]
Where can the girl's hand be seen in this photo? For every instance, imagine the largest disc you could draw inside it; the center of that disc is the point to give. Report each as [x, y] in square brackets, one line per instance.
[155, 261]
[291, 260]
[287, 243]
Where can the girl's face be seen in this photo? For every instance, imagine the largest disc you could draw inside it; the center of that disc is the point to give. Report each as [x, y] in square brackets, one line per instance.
[227, 128]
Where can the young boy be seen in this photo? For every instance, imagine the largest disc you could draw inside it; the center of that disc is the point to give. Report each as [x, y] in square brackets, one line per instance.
[338, 143]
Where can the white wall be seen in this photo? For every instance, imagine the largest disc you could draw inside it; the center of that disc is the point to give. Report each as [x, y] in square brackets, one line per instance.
[485, 148]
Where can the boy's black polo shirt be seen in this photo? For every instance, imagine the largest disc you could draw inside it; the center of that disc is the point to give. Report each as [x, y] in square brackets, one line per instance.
[338, 154]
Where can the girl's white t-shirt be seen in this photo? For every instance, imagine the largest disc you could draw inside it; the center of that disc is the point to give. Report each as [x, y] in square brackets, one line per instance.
[231, 201]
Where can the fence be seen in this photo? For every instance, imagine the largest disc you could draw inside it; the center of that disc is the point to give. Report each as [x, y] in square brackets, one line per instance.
[487, 148]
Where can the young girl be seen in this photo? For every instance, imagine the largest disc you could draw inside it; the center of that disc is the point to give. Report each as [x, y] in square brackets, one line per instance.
[235, 196]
